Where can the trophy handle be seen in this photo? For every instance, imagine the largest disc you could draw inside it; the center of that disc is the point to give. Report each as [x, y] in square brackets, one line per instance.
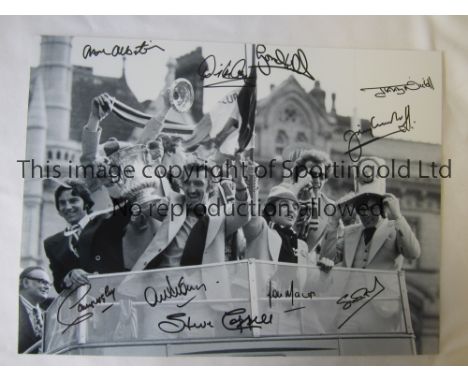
[181, 95]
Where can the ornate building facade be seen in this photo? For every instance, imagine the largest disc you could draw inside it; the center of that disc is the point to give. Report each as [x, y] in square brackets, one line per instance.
[60, 97]
[291, 115]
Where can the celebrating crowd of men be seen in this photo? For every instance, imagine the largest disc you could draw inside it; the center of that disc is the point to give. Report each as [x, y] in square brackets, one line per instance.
[292, 227]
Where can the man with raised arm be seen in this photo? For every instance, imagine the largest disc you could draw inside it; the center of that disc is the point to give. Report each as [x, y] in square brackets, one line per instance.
[272, 236]
[381, 235]
[190, 233]
[102, 187]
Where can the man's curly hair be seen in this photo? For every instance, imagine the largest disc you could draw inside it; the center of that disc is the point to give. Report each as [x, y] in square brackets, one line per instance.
[317, 157]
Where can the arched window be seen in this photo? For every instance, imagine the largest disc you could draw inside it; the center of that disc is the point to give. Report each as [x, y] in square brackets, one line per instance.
[301, 137]
[290, 114]
[281, 142]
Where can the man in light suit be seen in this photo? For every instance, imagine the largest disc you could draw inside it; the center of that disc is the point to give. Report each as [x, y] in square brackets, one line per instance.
[271, 237]
[374, 243]
[190, 234]
[382, 235]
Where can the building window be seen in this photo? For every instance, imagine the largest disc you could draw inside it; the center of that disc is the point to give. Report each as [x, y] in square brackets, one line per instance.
[290, 114]
[301, 137]
[281, 142]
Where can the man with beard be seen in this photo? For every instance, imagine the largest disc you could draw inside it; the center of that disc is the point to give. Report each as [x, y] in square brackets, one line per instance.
[189, 234]
[33, 290]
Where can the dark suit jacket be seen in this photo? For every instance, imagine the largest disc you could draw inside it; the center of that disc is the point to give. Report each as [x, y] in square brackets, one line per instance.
[99, 248]
[26, 336]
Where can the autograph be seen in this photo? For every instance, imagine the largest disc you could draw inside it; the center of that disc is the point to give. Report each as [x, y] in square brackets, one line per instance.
[235, 320]
[347, 301]
[401, 88]
[153, 297]
[120, 50]
[273, 293]
[230, 72]
[296, 63]
[353, 137]
[234, 71]
[81, 306]
[175, 323]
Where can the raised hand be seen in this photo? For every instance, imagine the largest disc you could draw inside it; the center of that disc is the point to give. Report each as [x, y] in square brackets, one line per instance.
[101, 106]
[238, 173]
[156, 149]
[391, 207]
[303, 184]
[325, 264]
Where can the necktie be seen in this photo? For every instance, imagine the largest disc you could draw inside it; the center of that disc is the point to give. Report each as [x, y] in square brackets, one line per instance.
[74, 234]
[368, 233]
[195, 245]
[314, 216]
[38, 322]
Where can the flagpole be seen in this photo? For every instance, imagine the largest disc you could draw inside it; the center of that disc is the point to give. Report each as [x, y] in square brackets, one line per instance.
[253, 135]
[253, 181]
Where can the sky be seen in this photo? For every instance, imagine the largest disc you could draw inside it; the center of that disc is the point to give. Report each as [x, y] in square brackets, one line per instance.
[343, 72]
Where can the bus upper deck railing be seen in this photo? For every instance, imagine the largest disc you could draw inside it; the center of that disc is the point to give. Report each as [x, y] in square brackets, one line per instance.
[246, 299]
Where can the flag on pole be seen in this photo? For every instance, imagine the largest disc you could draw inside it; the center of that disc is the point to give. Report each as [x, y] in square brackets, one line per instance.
[230, 124]
[247, 102]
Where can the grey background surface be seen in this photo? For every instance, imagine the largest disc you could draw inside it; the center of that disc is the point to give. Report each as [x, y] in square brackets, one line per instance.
[439, 33]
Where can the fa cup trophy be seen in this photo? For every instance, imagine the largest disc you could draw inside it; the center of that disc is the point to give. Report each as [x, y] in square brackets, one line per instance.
[181, 95]
[138, 188]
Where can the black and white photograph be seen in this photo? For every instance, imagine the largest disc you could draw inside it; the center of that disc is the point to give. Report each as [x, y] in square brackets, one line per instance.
[190, 198]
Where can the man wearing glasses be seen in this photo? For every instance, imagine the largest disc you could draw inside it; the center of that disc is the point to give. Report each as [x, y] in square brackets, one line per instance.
[381, 238]
[33, 291]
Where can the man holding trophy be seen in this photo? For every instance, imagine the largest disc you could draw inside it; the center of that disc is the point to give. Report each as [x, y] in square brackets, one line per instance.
[151, 239]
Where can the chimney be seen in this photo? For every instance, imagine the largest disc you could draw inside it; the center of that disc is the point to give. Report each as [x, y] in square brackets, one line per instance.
[318, 94]
[333, 108]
